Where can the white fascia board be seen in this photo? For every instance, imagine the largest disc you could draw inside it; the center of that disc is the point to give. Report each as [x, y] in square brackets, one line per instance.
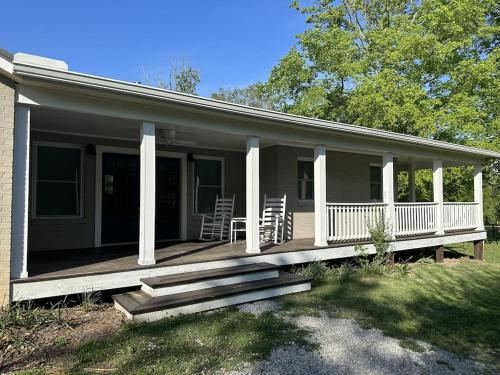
[6, 66]
[138, 90]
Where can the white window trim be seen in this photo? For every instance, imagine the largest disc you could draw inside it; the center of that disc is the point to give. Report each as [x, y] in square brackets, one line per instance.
[379, 165]
[100, 149]
[304, 202]
[34, 177]
[223, 178]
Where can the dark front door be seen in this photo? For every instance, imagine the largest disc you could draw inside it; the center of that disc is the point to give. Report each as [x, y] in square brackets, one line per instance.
[120, 198]
[167, 198]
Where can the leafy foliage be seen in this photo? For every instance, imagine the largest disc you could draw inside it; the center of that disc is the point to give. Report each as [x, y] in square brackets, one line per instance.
[427, 68]
[252, 96]
[182, 78]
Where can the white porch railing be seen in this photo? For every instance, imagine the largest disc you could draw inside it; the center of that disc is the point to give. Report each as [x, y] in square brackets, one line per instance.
[414, 218]
[460, 215]
[352, 221]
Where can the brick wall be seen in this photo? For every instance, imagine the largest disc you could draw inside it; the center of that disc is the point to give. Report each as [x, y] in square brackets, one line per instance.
[7, 92]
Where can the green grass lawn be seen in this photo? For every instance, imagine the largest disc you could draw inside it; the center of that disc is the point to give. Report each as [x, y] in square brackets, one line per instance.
[455, 306]
[491, 250]
[198, 343]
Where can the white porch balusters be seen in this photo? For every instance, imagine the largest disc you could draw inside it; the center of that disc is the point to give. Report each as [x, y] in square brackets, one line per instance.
[437, 183]
[411, 182]
[388, 189]
[320, 196]
[20, 192]
[147, 195]
[252, 196]
[478, 195]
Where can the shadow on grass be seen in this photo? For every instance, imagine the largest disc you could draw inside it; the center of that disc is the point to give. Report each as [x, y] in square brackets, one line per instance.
[457, 308]
[189, 344]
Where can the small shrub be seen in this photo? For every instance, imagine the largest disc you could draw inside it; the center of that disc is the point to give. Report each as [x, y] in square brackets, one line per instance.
[426, 260]
[381, 262]
[317, 271]
[401, 269]
[344, 272]
[89, 301]
[321, 271]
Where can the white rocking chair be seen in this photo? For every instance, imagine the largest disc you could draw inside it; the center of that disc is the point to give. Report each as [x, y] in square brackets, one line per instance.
[216, 226]
[272, 223]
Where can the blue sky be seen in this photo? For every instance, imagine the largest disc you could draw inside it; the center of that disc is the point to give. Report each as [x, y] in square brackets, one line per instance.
[232, 42]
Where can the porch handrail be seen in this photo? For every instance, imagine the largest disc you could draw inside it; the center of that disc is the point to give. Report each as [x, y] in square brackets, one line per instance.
[413, 218]
[352, 221]
[461, 215]
[356, 204]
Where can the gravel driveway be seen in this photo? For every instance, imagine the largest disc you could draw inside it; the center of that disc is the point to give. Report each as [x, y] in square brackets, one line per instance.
[346, 348]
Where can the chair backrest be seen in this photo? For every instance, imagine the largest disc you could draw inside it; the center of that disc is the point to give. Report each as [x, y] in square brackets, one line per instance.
[224, 208]
[273, 208]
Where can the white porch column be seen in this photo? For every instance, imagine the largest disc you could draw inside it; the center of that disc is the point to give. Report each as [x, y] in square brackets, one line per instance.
[388, 189]
[411, 182]
[20, 192]
[437, 188]
[147, 196]
[252, 196]
[320, 235]
[478, 195]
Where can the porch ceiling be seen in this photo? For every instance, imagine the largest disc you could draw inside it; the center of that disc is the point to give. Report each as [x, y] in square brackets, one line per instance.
[99, 126]
[96, 126]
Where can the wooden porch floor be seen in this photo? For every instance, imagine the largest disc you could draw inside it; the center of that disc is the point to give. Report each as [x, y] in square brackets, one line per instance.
[67, 263]
[59, 264]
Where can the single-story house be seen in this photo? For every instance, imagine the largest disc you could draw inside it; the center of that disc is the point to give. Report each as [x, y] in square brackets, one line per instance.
[104, 183]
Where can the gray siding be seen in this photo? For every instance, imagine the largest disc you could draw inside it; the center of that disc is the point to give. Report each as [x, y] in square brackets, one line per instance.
[347, 181]
[56, 234]
[348, 177]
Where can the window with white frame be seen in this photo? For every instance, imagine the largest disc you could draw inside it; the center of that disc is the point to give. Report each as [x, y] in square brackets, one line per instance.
[57, 181]
[305, 172]
[208, 184]
[375, 183]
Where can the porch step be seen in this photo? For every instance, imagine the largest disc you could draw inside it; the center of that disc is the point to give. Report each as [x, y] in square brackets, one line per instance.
[190, 281]
[140, 306]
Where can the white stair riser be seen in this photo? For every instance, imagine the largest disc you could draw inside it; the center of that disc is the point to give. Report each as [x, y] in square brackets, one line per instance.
[222, 302]
[169, 290]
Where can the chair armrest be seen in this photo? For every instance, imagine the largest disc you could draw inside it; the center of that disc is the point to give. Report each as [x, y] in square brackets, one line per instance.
[239, 219]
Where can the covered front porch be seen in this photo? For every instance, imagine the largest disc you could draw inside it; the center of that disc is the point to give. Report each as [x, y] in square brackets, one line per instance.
[85, 270]
[101, 189]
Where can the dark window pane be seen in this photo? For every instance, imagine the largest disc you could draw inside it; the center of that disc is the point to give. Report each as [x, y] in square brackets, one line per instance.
[60, 164]
[376, 174]
[57, 199]
[306, 189]
[206, 198]
[376, 192]
[58, 181]
[305, 170]
[208, 172]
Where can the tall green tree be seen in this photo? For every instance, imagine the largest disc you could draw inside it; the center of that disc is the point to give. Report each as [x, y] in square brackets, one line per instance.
[423, 67]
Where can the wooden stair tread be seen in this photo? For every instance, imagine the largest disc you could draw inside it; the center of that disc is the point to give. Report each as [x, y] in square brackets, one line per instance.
[138, 302]
[197, 276]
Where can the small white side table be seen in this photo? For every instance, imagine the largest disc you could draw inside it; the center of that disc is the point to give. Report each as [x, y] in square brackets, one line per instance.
[236, 226]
